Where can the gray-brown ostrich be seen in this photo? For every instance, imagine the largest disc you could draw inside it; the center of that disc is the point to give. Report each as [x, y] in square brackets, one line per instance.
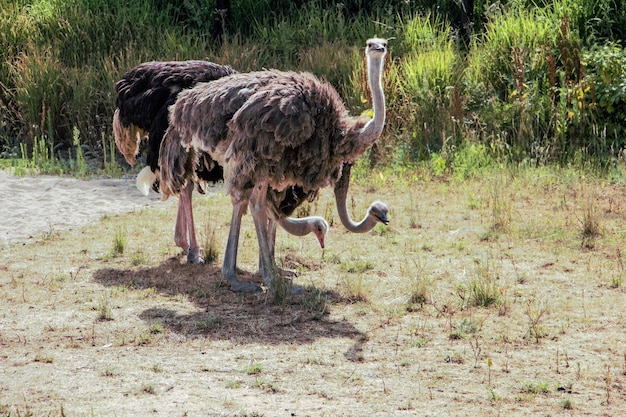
[272, 130]
[143, 97]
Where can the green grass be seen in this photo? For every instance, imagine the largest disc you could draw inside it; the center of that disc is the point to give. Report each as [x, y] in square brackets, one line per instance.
[120, 241]
[254, 369]
[534, 85]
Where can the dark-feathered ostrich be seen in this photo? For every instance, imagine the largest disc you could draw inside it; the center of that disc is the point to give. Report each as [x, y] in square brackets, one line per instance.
[273, 130]
[144, 95]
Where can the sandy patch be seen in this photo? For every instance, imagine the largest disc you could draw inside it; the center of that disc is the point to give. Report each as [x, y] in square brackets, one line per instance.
[34, 205]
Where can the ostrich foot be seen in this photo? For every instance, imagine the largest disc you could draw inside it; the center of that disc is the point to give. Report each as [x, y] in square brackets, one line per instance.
[285, 273]
[238, 286]
[244, 287]
[193, 257]
[288, 273]
[278, 283]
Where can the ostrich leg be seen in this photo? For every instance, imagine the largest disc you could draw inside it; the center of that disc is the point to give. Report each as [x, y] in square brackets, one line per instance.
[185, 232]
[266, 231]
[258, 201]
[193, 254]
[271, 235]
[229, 267]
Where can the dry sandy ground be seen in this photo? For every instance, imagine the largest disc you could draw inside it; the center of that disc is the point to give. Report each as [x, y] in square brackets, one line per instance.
[31, 206]
[87, 333]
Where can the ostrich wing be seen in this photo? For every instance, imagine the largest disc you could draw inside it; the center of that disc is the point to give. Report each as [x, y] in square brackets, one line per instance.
[143, 96]
[286, 134]
[143, 91]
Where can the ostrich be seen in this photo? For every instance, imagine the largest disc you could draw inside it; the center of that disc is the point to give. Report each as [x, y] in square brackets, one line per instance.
[273, 131]
[144, 94]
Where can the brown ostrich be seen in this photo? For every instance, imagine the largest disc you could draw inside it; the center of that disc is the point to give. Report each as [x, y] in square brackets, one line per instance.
[143, 97]
[273, 130]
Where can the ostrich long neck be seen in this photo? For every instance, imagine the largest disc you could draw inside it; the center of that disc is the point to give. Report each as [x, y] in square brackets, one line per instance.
[297, 227]
[341, 197]
[372, 130]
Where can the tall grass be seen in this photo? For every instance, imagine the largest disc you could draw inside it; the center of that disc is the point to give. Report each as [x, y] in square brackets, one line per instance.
[422, 95]
[530, 85]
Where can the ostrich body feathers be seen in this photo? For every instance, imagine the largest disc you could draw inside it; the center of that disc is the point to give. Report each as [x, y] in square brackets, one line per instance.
[143, 96]
[289, 129]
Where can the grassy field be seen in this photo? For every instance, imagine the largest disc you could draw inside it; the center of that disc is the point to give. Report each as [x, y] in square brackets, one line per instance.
[497, 295]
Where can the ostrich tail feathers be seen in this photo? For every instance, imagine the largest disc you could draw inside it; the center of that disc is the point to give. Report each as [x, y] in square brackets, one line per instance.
[145, 179]
[127, 138]
[174, 162]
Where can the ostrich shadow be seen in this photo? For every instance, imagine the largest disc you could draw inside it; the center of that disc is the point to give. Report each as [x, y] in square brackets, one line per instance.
[222, 314]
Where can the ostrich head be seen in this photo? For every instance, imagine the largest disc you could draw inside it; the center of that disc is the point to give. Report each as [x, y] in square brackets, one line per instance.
[378, 211]
[376, 48]
[320, 228]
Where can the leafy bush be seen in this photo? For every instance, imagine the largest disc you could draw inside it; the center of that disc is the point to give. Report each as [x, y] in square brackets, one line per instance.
[606, 79]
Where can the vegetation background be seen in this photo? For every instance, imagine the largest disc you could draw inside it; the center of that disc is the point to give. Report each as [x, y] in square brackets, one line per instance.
[524, 81]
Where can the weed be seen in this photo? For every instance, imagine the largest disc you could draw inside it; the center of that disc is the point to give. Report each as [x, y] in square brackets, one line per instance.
[484, 290]
[110, 372]
[500, 207]
[148, 389]
[464, 328]
[455, 357]
[119, 241]
[43, 358]
[358, 266]
[138, 258]
[380, 230]
[567, 404]
[414, 213]
[418, 342]
[355, 288]
[590, 227]
[156, 328]
[254, 369]
[279, 287]
[419, 293]
[211, 247]
[260, 383]
[80, 166]
[111, 167]
[144, 338]
[535, 312]
[535, 387]
[104, 308]
[209, 324]
[493, 396]
[234, 384]
[316, 301]
[617, 280]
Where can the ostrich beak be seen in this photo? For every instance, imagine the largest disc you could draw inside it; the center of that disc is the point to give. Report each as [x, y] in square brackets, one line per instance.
[320, 237]
[383, 219]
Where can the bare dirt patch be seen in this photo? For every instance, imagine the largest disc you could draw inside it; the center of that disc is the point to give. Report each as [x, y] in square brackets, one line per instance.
[391, 324]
